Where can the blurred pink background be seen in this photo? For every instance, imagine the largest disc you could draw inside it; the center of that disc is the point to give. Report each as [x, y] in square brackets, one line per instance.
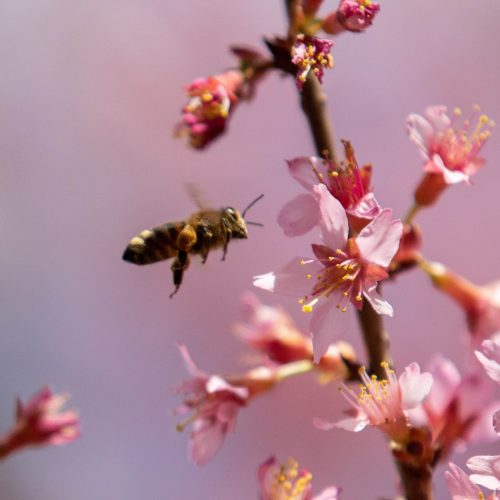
[89, 95]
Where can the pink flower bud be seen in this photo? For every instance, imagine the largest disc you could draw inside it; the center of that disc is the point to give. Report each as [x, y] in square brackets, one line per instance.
[352, 15]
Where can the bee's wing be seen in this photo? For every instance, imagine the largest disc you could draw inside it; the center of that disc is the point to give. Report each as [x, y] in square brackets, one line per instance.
[197, 195]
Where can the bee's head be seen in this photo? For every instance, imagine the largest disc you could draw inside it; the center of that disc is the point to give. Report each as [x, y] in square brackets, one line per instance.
[236, 223]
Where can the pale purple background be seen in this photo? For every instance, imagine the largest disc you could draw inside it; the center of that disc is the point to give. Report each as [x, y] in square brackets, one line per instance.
[89, 94]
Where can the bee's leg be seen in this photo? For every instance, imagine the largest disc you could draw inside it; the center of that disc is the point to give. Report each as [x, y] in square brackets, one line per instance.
[205, 237]
[179, 265]
[226, 243]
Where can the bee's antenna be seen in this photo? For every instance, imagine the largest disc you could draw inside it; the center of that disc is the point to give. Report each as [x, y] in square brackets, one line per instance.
[254, 223]
[251, 205]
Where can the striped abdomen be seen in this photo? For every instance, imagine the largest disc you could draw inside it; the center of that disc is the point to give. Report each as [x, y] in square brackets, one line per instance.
[153, 245]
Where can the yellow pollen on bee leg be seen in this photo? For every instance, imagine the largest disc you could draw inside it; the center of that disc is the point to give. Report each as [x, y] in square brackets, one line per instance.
[147, 233]
[136, 240]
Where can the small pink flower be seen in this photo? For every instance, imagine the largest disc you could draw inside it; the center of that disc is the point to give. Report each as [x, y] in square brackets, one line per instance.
[352, 15]
[271, 331]
[347, 182]
[489, 356]
[481, 304]
[311, 54]
[460, 486]
[451, 151]
[344, 270]
[40, 422]
[210, 102]
[486, 471]
[214, 404]
[287, 482]
[384, 403]
[457, 409]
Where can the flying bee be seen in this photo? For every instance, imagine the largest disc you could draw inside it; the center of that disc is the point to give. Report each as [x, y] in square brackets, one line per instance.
[203, 231]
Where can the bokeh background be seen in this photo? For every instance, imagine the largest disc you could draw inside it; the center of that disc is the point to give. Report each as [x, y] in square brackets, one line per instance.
[89, 94]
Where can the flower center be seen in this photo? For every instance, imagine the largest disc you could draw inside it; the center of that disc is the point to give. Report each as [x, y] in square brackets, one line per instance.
[289, 483]
[458, 145]
[341, 273]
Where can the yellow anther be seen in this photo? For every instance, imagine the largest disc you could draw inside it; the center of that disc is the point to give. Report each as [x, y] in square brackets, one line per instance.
[333, 173]
[384, 364]
[344, 309]
[206, 97]
[359, 298]
[346, 294]
[301, 301]
[457, 112]
[307, 308]
[339, 251]
[309, 276]
[331, 258]
[302, 262]
[484, 119]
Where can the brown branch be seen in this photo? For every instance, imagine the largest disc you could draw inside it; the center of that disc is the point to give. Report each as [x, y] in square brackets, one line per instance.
[416, 477]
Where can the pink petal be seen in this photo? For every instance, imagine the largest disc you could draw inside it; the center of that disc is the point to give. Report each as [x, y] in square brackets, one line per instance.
[191, 367]
[438, 118]
[216, 384]
[323, 425]
[379, 240]
[459, 484]
[302, 170]
[379, 304]
[299, 215]
[327, 324]
[487, 469]
[353, 424]
[205, 442]
[491, 358]
[483, 428]
[414, 386]
[420, 132]
[333, 221]
[331, 493]
[436, 165]
[366, 208]
[446, 380]
[473, 166]
[291, 279]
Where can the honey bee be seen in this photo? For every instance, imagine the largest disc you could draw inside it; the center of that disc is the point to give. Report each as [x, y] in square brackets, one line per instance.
[203, 231]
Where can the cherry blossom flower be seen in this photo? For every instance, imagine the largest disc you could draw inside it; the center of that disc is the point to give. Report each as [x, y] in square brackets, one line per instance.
[41, 422]
[311, 54]
[481, 304]
[214, 404]
[352, 15]
[486, 471]
[344, 270]
[271, 331]
[458, 409]
[451, 151]
[347, 182]
[287, 482]
[461, 487]
[384, 403]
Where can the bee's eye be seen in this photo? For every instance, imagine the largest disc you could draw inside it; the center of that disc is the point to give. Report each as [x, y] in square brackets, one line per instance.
[230, 211]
